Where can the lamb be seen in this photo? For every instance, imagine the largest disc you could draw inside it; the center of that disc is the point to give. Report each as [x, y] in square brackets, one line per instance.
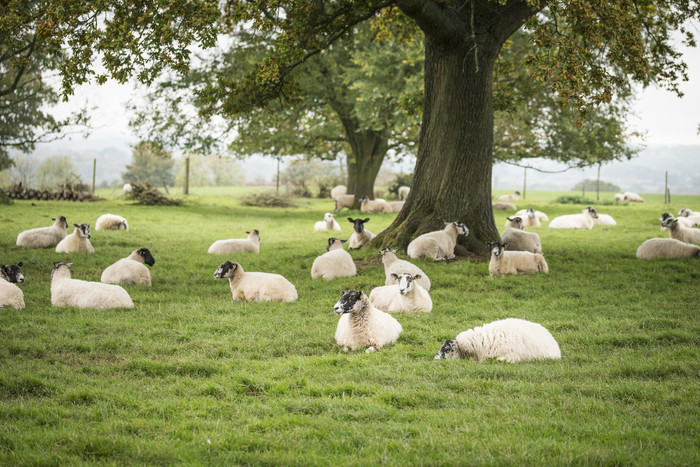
[530, 219]
[361, 236]
[631, 196]
[667, 248]
[362, 325]
[338, 191]
[44, 237]
[438, 245]
[344, 201]
[394, 265]
[82, 294]
[77, 242]
[328, 223]
[539, 214]
[602, 219]
[130, 270]
[10, 294]
[251, 244]
[512, 197]
[503, 206]
[514, 262]
[405, 297]
[256, 286]
[377, 205]
[335, 263]
[403, 192]
[511, 340]
[586, 220]
[396, 206]
[519, 240]
[111, 222]
[679, 232]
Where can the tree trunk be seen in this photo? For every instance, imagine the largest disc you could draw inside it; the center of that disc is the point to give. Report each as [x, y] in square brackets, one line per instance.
[368, 151]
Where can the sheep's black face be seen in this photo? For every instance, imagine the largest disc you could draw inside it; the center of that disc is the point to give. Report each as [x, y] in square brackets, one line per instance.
[461, 228]
[350, 301]
[358, 224]
[255, 233]
[225, 270]
[83, 230]
[62, 220]
[530, 213]
[593, 212]
[496, 248]
[12, 273]
[123, 226]
[147, 257]
[667, 219]
[448, 350]
[665, 216]
[331, 242]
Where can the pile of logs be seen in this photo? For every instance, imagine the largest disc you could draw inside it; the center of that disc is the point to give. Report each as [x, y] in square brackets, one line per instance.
[67, 192]
[145, 193]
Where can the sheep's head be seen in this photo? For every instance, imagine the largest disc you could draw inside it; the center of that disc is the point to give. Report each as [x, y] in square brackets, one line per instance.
[590, 210]
[146, 256]
[665, 216]
[60, 221]
[350, 301]
[387, 250]
[328, 217]
[405, 281]
[334, 243]
[497, 248]
[363, 199]
[227, 269]
[12, 273]
[449, 350]
[459, 227]
[685, 212]
[83, 230]
[253, 233]
[530, 213]
[123, 225]
[358, 224]
[516, 222]
[668, 221]
[58, 265]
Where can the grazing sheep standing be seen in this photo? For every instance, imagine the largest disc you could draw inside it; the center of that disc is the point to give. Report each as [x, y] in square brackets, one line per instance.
[256, 286]
[73, 292]
[251, 244]
[512, 197]
[335, 263]
[519, 240]
[338, 190]
[377, 205]
[514, 262]
[362, 325]
[403, 192]
[344, 201]
[10, 294]
[361, 236]
[111, 222]
[680, 232]
[44, 237]
[586, 220]
[130, 270]
[438, 245]
[77, 242]
[539, 214]
[328, 223]
[394, 265]
[667, 248]
[405, 297]
[511, 340]
[503, 206]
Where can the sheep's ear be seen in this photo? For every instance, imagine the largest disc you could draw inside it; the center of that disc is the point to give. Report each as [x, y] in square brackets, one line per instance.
[351, 219]
[76, 225]
[53, 218]
[69, 265]
[417, 276]
[20, 264]
[509, 218]
[394, 276]
[4, 269]
[343, 241]
[366, 220]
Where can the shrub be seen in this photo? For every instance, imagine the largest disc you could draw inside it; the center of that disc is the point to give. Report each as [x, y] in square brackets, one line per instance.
[399, 181]
[267, 199]
[575, 199]
[145, 193]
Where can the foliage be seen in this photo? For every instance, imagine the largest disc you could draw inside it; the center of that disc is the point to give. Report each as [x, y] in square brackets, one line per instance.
[399, 181]
[55, 170]
[4, 199]
[150, 164]
[575, 199]
[592, 185]
[209, 170]
[267, 199]
[302, 174]
[146, 194]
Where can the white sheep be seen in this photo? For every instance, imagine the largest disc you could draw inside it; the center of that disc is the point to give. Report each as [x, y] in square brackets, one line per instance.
[360, 236]
[519, 240]
[77, 242]
[336, 262]
[130, 270]
[689, 218]
[512, 197]
[256, 286]
[10, 294]
[511, 340]
[619, 197]
[602, 219]
[328, 223]
[586, 220]
[338, 191]
[504, 206]
[403, 192]
[344, 201]
[685, 212]
[44, 237]
[362, 325]
[396, 206]
[514, 262]
[251, 244]
[667, 248]
[684, 221]
[82, 294]
[539, 214]
[377, 205]
[438, 245]
[680, 232]
[127, 188]
[394, 265]
[111, 222]
[405, 297]
[633, 197]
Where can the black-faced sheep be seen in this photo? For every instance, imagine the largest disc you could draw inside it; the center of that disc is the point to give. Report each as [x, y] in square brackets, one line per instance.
[256, 286]
[130, 270]
[73, 292]
[361, 236]
[438, 245]
[407, 296]
[361, 325]
[394, 265]
[680, 232]
[514, 262]
[10, 294]
[251, 244]
[335, 263]
[77, 242]
[44, 237]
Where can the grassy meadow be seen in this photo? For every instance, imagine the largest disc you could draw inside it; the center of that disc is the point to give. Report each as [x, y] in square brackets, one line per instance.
[190, 377]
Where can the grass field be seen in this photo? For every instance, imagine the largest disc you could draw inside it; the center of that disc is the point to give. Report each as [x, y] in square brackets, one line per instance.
[189, 376]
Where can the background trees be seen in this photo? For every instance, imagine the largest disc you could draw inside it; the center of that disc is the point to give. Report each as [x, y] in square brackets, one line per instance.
[151, 163]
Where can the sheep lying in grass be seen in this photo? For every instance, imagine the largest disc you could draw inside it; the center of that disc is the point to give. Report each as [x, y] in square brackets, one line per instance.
[407, 296]
[688, 222]
[377, 205]
[77, 242]
[361, 236]
[255, 286]
[73, 292]
[335, 263]
[512, 197]
[10, 294]
[514, 262]
[328, 223]
[667, 248]
[44, 237]
[619, 197]
[539, 214]
[528, 220]
[396, 206]
[685, 212]
[403, 192]
[251, 244]
[586, 220]
[602, 219]
[511, 340]
[503, 206]
[438, 245]
[633, 197]
[127, 188]
[680, 232]
[394, 265]
[111, 222]
[519, 240]
[130, 270]
[344, 201]
[362, 325]
[338, 190]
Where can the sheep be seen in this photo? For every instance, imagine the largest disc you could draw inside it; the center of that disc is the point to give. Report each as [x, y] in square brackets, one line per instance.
[619, 197]
[540, 215]
[127, 188]
[512, 197]
[519, 240]
[44, 237]
[111, 222]
[251, 244]
[10, 294]
[403, 192]
[511, 340]
[377, 205]
[438, 245]
[361, 236]
[405, 297]
[256, 286]
[602, 219]
[396, 206]
[631, 196]
[680, 232]
[394, 265]
[504, 206]
[344, 201]
[530, 219]
[77, 242]
[362, 325]
[684, 221]
[514, 262]
[693, 217]
[130, 270]
[667, 248]
[328, 223]
[82, 294]
[586, 220]
[338, 191]
[335, 263]
[685, 212]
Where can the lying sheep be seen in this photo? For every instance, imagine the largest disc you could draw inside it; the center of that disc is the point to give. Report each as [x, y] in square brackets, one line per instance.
[394, 265]
[680, 232]
[514, 262]
[396, 206]
[362, 325]
[130, 270]
[519, 240]
[344, 201]
[111, 222]
[438, 245]
[10, 294]
[82, 294]
[77, 242]
[407, 296]
[44, 237]
[619, 197]
[685, 212]
[377, 205]
[539, 214]
[127, 188]
[251, 244]
[503, 206]
[633, 197]
[586, 220]
[338, 190]
[512, 197]
[335, 263]
[688, 222]
[328, 223]
[256, 286]
[403, 192]
[530, 219]
[667, 248]
[602, 219]
[511, 340]
[361, 236]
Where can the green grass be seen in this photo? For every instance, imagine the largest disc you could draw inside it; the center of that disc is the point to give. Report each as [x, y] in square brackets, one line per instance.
[188, 376]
